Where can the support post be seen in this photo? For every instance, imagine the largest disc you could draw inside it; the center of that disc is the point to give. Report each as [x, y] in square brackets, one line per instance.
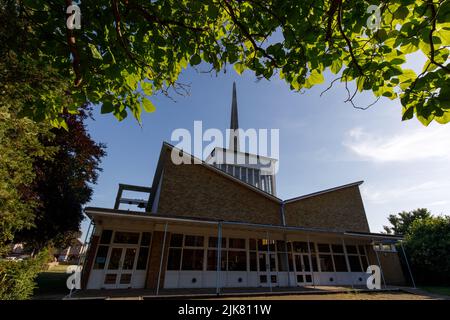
[379, 264]
[269, 278]
[219, 256]
[407, 264]
[162, 257]
[346, 260]
[311, 261]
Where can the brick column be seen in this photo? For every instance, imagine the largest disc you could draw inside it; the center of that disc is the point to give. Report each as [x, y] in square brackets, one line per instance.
[87, 266]
[155, 260]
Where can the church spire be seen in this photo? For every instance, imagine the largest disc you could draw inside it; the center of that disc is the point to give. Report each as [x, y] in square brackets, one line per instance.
[234, 124]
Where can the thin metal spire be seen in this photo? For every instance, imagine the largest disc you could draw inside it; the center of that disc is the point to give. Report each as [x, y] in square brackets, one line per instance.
[234, 123]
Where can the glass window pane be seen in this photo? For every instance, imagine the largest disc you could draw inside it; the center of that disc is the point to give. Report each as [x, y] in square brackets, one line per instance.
[273, 266]
[237, 261]
[244, 174]
[126, 237]
[323, 247]
[142, 259]
[106, 237]
[263, 243]
[281, 246]
[300, 246]
[174, 259]
[128, 261]
[361, 250]
[146, 238]
[326, 263]
[262, 262]
[114, 259]
[193, 241]
[176, 240]
[306, 263]
[298, 263]
[283, 263]
[252, 244]
[339, 263]
[100, 259]
[211, 260]
[337, 248]
[355, 265]
[192, 259]
[365, 264]
[314, 263]
[235, 243]
[212, 242]
[253, 263]
[351, 249]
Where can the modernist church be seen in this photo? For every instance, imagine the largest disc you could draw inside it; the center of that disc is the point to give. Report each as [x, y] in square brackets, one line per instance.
[221, 226]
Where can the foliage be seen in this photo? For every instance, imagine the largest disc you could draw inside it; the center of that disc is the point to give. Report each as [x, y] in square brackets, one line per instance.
[129, 50]
[64, 184]
[402, 222]
[17, 277]
[427, 244]
[19, 149]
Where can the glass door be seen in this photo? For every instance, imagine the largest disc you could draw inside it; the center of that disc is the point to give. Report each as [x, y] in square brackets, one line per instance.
[120, 267]
[303, 269]
[267, 269]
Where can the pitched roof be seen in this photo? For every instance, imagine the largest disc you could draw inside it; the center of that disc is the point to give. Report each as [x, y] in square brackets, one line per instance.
[160, 167]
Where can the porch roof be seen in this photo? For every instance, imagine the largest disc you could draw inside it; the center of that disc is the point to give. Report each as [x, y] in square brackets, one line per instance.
[96, 213]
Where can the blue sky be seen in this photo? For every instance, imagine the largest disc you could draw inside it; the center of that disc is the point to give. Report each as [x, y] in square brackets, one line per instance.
[324, 142]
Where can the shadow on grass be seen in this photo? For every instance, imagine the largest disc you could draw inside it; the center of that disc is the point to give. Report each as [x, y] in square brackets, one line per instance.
[51, 284]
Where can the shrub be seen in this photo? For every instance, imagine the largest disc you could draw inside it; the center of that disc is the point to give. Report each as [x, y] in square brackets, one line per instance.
[17, 278]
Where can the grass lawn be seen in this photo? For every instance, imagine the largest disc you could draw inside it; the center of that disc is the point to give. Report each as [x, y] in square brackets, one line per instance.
[52, 282]
[437, 290]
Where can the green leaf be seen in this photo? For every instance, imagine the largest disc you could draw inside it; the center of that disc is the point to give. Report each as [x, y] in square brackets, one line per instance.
[314, 78]
[336, 66]
[195, 60]
[95, 53]
[107, 107]
[148, 105]
[239, 67]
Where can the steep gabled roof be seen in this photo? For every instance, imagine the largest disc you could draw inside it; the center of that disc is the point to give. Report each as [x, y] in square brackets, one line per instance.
[168, 147]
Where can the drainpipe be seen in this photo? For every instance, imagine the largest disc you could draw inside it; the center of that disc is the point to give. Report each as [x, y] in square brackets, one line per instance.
[162, 258]
[219, 256]
[407, 264]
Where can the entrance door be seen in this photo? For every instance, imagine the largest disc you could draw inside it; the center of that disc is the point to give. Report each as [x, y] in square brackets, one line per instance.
[267, 269]
[303, 269]
[120, 267]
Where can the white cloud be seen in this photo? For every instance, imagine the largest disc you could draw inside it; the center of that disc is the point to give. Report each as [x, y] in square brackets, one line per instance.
[432, 142]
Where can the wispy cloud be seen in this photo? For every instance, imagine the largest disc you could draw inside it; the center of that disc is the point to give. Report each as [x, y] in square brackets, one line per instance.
[423, 143]
[379, 195]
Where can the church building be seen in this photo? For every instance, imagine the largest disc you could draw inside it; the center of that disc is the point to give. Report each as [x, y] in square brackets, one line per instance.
[221, 226]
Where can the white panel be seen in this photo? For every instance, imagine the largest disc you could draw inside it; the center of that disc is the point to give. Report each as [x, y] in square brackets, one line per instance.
[233, 279]
[171, 279]
[138, 279]
[190, 279]
[95, 279]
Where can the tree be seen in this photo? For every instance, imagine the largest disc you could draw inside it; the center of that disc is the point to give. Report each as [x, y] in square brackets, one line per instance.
[63, 184]
[20, 148]
[129, 50]
[427, 244]
[402, 222]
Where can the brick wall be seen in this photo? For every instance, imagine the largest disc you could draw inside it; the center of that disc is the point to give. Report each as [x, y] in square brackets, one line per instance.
[155, 260]
[193, 190]
[341, 209]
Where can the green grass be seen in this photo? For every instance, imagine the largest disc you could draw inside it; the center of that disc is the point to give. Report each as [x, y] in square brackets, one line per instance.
[52, 281]
[437, 290]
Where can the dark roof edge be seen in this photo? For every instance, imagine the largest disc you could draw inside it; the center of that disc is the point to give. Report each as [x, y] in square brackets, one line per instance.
[142, 214]
[353, 184]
